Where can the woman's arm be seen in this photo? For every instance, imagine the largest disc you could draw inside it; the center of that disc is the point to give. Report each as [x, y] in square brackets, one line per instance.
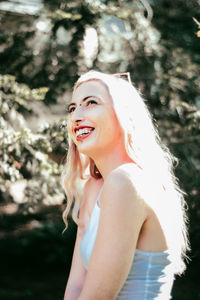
[122, 214]
[78, 272]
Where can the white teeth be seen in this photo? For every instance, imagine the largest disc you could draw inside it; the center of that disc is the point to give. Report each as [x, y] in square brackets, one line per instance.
[83, 131]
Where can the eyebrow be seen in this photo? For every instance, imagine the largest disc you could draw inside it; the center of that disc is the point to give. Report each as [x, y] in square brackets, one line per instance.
[84, 99]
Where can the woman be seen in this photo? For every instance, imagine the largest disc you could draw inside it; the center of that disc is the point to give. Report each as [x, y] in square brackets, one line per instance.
[131, 238]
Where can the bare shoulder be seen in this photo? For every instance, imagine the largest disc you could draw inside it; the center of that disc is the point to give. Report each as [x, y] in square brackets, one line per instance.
[90, 191]
[123, 177]
[120, 187]
[129, 176]
[83, 212]
[88, 186]
[92, 184]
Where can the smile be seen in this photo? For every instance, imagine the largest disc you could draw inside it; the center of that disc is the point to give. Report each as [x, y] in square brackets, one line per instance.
[83, 133]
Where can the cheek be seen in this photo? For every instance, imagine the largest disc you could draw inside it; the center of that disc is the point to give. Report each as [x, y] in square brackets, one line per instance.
[112, 125]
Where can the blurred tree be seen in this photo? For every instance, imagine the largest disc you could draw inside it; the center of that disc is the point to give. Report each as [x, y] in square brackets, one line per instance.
[44, 49]
[23, 165]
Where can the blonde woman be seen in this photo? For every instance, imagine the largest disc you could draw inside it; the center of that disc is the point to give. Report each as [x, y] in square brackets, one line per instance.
[131, 238]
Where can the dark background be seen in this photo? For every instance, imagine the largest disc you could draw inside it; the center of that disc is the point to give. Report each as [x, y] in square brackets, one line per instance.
[44, 47]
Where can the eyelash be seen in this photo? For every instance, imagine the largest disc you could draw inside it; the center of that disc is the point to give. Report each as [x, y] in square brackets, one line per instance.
[91, 101]
[70, 110]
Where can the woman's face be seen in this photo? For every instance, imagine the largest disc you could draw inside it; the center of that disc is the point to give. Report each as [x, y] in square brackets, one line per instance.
[92, 123]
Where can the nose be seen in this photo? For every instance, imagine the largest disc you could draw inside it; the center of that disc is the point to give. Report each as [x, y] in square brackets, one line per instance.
[77, 116]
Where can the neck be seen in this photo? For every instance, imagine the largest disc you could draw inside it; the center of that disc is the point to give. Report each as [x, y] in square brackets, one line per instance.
[111, 160]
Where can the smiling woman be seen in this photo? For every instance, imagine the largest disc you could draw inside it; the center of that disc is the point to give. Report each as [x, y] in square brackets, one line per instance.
[92, 108]
[131, 237]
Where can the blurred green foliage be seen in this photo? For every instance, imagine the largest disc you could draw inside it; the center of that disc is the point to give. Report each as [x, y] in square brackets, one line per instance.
[23, 154]
[42, 55]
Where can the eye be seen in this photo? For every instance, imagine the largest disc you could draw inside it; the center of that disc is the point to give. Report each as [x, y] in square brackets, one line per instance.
[91, 101]
[70, 109]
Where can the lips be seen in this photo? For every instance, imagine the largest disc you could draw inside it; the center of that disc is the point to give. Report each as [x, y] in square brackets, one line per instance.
[82, 127]
[83, 132]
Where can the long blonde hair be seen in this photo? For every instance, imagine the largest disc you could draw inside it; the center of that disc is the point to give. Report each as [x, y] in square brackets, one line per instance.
[142, 144]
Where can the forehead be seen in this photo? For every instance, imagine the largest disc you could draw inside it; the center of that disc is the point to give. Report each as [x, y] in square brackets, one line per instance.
[90, 88]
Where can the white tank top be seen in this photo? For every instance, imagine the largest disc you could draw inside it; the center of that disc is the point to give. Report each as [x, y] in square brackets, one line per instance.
[151, 275]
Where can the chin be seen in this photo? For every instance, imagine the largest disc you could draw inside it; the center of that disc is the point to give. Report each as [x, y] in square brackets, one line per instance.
[87, 150]
[92, 148]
